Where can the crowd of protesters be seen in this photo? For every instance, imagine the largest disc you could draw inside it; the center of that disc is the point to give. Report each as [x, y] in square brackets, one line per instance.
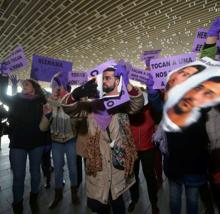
[112, 143]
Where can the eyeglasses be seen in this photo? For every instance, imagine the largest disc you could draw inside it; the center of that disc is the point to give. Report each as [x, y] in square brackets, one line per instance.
[108, 78]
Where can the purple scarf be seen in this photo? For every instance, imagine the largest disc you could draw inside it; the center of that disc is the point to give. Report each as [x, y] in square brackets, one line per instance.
[101, 115]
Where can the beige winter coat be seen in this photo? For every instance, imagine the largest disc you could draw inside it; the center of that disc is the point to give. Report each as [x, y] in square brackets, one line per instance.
[59, 136]
[110, 178]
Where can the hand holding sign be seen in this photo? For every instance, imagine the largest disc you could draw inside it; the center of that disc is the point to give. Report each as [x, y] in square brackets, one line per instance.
[215, 28]
[150, 84]
[87, 90]
[58, 82]
[122, 71]
[13, 79]
[47, 109]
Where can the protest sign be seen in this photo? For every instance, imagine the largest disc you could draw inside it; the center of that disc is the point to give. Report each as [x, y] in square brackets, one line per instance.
[185, 100]
[77, 78]
[149, 55]
[137, 74]
[110, 101]
[162, 66]
[15, 61]
[123, 98]
[200, 39]
[100, 68]
[44, 68]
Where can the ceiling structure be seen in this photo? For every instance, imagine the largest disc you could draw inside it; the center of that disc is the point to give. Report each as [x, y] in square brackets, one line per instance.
[89, 32]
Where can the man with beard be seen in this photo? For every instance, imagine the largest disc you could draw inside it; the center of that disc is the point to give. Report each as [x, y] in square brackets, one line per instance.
[110, 82]
[199, 96]
[183, 74]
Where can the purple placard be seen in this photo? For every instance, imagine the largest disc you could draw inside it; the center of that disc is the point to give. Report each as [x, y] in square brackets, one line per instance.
[113, 102]
[100, 68]
[162, 66]
[137, 74]
[15, 61]
[200, 39]
[149, 55]
[77, 78]
[44, 68]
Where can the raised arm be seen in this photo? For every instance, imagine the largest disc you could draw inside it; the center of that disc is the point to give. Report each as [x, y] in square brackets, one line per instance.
[210, 49]
[4, 98]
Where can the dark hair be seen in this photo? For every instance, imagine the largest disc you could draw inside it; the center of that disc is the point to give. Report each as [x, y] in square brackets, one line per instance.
[37, 88]
[111, 69]
[214, 79]
[199, 68]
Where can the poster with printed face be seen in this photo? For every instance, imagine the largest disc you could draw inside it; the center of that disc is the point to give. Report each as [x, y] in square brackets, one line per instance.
[77, 78]
[108, 85]
[200, 39]
[15, 61]
[44, 68]
[97, 73]
[186, 99]
[110, 88]
[116, 101]
[161, 67]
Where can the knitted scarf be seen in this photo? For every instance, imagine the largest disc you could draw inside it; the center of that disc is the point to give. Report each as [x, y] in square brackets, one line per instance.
[94, 160]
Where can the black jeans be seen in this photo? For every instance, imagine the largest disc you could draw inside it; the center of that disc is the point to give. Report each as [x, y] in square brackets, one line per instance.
[79, 170]
[216, 194]
[206, 197]
[117, 205]
[147, 159]
[46, 164]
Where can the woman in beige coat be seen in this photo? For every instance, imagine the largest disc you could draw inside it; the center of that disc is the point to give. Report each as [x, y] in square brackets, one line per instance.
[109, 151]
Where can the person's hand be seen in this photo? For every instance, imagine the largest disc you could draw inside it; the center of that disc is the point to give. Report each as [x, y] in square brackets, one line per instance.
[57, 81]
[89, 89]
[150, 84]
[47, 109]
[13, 79]
[150, 81]
[214, 30]
[121, 70]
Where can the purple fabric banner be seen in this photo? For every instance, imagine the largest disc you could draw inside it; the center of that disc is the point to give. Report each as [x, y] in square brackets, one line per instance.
[162, 66]
[200, 39]
[137, 74]
[15, 61]
[100, 68]
[113, 102]
[77, 78]
[44, 68]
[149, 55]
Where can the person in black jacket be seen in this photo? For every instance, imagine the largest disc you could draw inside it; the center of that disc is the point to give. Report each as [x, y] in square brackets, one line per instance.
[26, 139]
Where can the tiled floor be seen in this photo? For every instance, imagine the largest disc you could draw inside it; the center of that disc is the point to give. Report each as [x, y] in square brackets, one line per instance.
[65, 207]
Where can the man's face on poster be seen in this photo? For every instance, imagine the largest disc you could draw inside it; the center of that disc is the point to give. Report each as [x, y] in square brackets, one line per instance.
[200, 95]
[180, 76]
[110, 83]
